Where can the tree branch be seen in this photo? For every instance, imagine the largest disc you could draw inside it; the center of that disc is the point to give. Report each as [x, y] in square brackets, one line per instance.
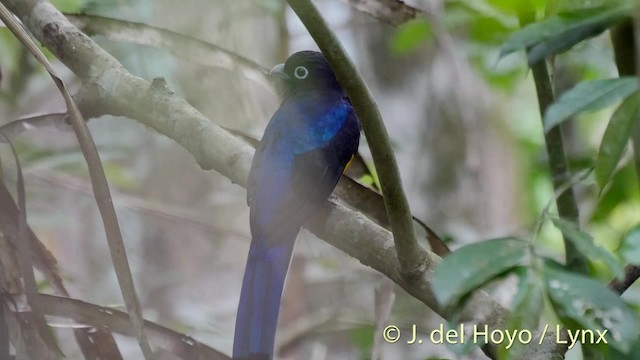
[393, 12]
[98, 181]
[623, 38]
[104, 317]
[109, 87]
[554, 141]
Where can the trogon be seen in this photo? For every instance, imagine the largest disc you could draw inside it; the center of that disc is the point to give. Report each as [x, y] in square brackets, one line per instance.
[306, 147]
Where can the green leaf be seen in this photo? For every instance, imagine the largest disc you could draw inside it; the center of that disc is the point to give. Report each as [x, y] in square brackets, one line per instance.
[631, 246]
[526, 309]
[366, 180]
[634, 353]
[470, 266]
[589, 96]
[459, 348]
[363, 338]
[565, 41]
[615, 138]
[623, 188]
[68, 5]
[566, 28]
[583, 303]
[528, 301]
[409, 36]
[585, 245]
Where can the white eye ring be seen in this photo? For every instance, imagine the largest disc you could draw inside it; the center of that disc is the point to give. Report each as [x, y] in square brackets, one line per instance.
[301, 72]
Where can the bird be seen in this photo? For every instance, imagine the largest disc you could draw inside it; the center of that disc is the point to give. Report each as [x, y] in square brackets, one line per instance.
[307, 145]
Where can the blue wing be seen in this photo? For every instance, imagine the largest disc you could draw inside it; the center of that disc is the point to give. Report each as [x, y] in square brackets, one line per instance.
[305, 149]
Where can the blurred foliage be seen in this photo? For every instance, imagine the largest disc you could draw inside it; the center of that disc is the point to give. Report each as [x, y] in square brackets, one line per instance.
[559, 32]
[567, 29]
[363, 337]
[529, 299]
[69, 5]
[616, 137]
[584, 303]
[622, 189]
[474, 265]
[589, 96]
[409, 36]
[630, 248]
[18, 66]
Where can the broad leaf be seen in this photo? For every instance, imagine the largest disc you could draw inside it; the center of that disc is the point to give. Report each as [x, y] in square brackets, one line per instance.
[51, 121]
[585, 245]
[583, 303]
[567, 40]
[623, 187]
[567, 26]
[463, 344]
[470, 266]
[589, 96]
[615, 138]
[68, 5]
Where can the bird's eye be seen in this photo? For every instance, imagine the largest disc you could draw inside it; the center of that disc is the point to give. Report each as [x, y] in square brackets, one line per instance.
[301, 72]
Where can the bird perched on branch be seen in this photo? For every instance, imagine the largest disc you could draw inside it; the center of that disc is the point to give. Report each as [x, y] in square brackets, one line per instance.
[306, 147]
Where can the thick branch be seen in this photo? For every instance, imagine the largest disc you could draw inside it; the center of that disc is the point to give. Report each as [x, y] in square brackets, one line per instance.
[412, 256]
[113, 89]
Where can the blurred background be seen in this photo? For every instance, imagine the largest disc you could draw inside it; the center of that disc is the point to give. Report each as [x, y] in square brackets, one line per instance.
[465, 126]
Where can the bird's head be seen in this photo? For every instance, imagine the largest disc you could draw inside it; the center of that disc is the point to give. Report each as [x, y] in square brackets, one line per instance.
[307, 71]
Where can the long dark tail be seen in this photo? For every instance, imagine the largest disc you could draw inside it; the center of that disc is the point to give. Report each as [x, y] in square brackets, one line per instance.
[260, 299]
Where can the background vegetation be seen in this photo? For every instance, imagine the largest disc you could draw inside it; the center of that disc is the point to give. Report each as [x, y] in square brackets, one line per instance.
[509, 121]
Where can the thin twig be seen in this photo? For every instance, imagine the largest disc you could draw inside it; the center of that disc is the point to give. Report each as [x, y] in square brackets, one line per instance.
[97, 316]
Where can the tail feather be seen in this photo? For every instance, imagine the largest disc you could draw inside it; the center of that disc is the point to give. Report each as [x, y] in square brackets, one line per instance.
[260, 296]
